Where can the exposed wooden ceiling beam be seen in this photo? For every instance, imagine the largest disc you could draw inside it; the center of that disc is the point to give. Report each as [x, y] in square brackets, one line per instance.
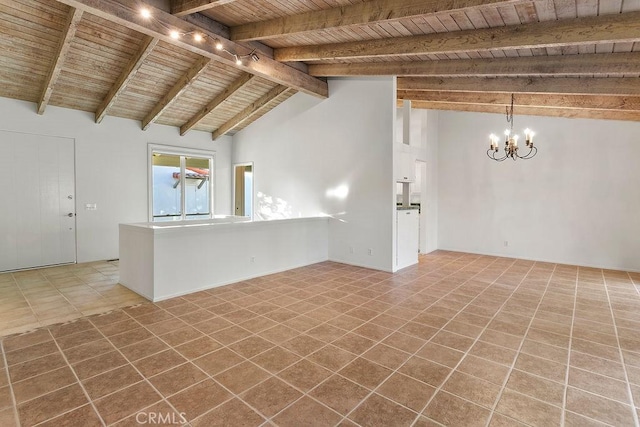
[560, 85]
[355, 14]
[583, 102]
[147, 46]
[126, 13]
[530, 111]
[620, 28]
[187, 7]
[607, 64]
[238, 84]
[178, 89]
[249, 111]
[68, 32]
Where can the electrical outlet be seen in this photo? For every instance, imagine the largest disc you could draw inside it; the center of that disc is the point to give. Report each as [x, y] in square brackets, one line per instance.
[253, 259]
[350, 249]
[370, 251]
[506, 243]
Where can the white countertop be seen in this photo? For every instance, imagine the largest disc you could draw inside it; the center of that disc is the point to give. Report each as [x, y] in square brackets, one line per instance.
[217, 222]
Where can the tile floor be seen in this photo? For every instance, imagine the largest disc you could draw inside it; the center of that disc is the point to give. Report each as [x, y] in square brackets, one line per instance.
[45, 296]
[459, 340]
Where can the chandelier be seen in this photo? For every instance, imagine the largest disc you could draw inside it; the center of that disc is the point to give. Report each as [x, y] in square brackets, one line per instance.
[511, 142]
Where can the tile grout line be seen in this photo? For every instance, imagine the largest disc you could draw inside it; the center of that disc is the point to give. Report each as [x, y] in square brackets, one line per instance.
[518, 351]
[394, 371]
[64, 356]
[635, 405]
[465, 353]
[248, 359]
[634, 412]
[77, 312]
[306, 394]
[304, 332]
[33, 312]
[566, 376]
[411, 354]
[10, 385]
[144, 378]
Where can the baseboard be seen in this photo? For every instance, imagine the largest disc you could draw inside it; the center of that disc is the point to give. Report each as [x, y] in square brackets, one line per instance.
[241, 279]
[630, 270]
[355, 264]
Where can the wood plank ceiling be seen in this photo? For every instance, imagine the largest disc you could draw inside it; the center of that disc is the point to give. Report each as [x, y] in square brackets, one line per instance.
[178, 66]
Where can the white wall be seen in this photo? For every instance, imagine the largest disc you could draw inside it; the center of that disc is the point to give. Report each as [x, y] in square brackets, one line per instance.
[576, 202]
[307, 148]
[111, 168]
[429, 202]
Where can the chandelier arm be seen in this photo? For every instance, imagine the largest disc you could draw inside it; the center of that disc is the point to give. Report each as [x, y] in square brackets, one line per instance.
[499, 159]
[529, 155]
[533, 150]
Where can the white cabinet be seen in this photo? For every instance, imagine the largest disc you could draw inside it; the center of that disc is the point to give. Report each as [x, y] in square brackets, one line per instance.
[405, 167]
[407, 243]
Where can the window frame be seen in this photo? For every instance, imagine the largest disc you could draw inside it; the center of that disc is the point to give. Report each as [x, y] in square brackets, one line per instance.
[183, 152]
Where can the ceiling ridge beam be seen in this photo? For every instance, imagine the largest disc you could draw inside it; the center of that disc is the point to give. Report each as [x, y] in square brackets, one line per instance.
[355, 14]
[145, 49]
[529, 111]
[619, 28]
[561, 85]
[178, 89]
[581, 102]
[187, 7]
[234, 87]
[598, 64]
[127, 13]
[68, 33]
[250, 111]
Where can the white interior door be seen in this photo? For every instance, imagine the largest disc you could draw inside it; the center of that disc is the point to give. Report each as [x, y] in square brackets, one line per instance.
[37, 199]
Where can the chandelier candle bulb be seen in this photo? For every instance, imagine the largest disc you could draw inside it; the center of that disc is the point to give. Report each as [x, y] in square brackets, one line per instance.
[494, 141]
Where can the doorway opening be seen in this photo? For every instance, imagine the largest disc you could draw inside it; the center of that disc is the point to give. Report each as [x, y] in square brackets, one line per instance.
[243, 189]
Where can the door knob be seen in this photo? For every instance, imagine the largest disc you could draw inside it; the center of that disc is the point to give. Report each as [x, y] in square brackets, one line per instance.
[70, 215]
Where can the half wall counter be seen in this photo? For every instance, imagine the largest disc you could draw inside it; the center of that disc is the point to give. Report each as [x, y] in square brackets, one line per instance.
[165, 260]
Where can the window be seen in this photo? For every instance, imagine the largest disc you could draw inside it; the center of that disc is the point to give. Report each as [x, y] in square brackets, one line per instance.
[180, 184]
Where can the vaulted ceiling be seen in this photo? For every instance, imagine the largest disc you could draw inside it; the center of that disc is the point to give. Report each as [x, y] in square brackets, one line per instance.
[218, 65]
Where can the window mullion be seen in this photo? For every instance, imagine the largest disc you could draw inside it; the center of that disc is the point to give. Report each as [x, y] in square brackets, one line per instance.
[183, 187]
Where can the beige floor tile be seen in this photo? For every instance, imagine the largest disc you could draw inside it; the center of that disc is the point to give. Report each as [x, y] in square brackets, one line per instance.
[478, 391]
[537, 387]
[376, 410]
[528, 410]
[598, 408]
[236, 413]
[599, 384]
[448, 409]
[339, 394]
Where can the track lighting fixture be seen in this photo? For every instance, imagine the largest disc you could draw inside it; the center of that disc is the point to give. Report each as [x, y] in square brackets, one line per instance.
[199, 37]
